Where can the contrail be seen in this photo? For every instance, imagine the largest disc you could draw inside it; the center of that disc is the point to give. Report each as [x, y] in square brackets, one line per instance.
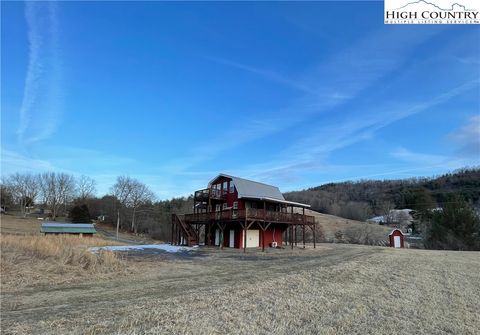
[39, 112]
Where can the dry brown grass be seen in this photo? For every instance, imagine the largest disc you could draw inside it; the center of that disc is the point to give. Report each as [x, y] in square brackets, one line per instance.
[337, 289]
[30, 260]
[11, 224]
[337, 229]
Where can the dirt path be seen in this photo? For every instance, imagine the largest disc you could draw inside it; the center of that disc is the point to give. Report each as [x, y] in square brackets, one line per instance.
[112, 236]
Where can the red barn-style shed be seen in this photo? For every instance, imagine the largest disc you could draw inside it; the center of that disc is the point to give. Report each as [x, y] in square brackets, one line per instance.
[397, 239]
[234, 212]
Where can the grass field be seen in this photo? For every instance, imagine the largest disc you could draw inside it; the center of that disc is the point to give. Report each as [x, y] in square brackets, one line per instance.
[337, 229]
[16, 225]
[334, 289]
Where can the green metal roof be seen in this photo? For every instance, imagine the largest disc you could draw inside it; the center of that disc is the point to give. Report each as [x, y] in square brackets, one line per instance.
[75, 228]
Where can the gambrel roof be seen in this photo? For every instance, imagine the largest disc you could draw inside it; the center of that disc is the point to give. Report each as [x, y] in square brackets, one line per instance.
[250, 189]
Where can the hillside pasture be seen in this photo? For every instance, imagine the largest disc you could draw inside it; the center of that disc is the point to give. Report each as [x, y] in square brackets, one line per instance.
[17, 225]
[340, 230]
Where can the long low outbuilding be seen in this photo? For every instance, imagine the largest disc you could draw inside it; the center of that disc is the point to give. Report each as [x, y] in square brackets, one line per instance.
[82, 229]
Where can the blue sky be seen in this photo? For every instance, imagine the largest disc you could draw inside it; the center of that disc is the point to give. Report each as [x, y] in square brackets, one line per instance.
[293, 94]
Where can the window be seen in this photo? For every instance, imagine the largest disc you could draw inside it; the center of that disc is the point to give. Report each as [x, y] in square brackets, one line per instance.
[225, 186]
[224, 206]
[235, 205]
[217, 208]
[232, 187]
[217, 190]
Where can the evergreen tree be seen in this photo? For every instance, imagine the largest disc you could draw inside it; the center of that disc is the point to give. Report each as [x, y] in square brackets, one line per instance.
[455, 227]
[80, 214]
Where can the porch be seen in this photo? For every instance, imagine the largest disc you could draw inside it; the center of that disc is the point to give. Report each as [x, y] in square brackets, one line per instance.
[247, 214]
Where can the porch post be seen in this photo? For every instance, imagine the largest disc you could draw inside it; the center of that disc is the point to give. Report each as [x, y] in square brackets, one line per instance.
[314, 236]
[205, 233]
[209, 235]
[291, 228]
[295, 235]
[245, 237]
[303, 235]
[264, 224]
[291, 237]
[304, 219]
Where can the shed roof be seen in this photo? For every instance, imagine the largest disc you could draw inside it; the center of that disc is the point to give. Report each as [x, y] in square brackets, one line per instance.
[396, 229]
[77, 228]
[254, 190]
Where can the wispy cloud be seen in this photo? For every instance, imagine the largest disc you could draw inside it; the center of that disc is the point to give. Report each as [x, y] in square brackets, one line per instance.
[40, 109]
[326, 86]
[468, 138]
[416, 157]
[265, 73]
[15, 162]
[311, 152]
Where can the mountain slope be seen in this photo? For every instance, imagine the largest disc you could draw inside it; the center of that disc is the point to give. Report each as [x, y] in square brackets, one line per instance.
[361, 199]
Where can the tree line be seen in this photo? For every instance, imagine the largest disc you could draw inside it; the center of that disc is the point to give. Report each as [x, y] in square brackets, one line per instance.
[130, 203]
[445, 207]
[362, 199]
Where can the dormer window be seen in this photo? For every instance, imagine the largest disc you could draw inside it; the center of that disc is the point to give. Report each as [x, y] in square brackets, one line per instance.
[232, 187]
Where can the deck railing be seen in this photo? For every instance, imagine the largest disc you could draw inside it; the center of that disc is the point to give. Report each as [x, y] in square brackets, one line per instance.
[250, 214]
[214, 193]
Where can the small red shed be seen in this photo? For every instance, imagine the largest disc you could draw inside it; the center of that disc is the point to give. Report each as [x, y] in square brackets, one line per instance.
[396, 239]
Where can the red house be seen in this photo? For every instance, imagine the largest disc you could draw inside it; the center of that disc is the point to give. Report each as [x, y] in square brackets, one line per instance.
[239, 213]
[396, 239]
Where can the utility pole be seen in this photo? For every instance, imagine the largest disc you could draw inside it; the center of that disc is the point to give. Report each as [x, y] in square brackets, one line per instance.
[118, 221]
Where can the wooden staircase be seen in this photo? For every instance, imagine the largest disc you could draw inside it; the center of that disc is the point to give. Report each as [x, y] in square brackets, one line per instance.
[187, 231]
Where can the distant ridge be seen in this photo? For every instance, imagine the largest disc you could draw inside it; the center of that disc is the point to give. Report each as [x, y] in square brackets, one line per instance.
[348, 199]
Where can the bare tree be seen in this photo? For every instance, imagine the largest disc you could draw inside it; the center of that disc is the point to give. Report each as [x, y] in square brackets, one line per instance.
[139, 195]
[86, 187]
[25, 189]
[6, 195]
[57, 189]
[386, 208]
[131, 193]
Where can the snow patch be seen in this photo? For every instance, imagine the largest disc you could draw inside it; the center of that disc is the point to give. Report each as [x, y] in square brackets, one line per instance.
[164, 247]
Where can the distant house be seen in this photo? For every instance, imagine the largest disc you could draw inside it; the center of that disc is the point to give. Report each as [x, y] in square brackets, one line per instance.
[395, 216]
[101, 218]
[239, 213]
[81, 229]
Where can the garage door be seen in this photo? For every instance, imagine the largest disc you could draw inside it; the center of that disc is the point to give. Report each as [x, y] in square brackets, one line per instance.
[253, 238]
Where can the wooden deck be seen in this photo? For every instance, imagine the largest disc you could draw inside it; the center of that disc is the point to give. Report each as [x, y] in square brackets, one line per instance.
[249, 214]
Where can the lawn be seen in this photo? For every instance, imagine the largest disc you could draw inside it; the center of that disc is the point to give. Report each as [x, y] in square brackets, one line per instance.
[346, 289]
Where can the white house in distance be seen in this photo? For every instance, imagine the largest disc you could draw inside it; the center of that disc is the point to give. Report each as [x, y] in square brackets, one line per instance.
[394, 216]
